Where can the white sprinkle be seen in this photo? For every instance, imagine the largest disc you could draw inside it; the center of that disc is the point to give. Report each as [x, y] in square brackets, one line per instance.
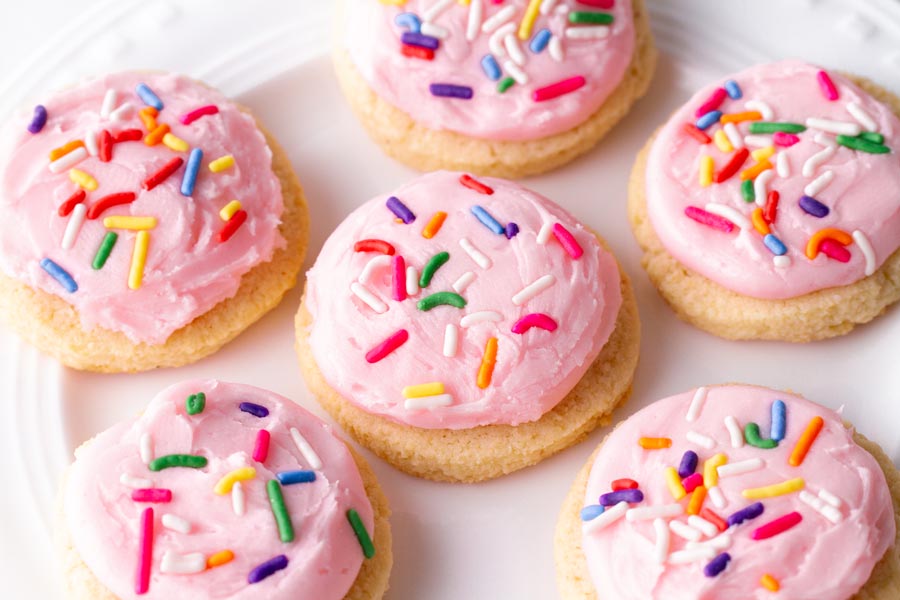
[862, 117]
[696, 406]
[382, 261]
[412, 281]
[610, 516]
[835, 127]
[734, 430]
[464, 281]
[704, 441]
[476, 14]
[555, 47]
[451, 340]
[479, 317]
[515, 72]
[734, 136]
[238, 500]
[591, 32]
[821, 507]
[109, 103]
[545, 233]
[682, 557]
[863, 242]
[562, 9]
[760, 186]
[533, 289]
[68, 160]
[764, 109]
[686, 531]
[823, 139]
[739, 468]
[758, 141]
[495, 42]
[90, 142]
[305, 449]
[436, 31]
[722, 541]
[176, 523]
[122, 113]
[645, 513]
[514, 49]
[729, 213]
[475, 254]
[146, 448]
[424, 402]
[134, 482]
[547, 6]
[366, 295]
[818, 184]
[783, 165]
[502, 16]
[715, 495]
[182, 564]
[708, 529]
[661, 548]
[76, 220]
[812, 163]
[782, 262]
[830, 498]
[435, 10]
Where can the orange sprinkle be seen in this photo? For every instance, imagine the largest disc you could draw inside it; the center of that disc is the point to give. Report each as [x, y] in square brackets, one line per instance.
[65, 149]
[156, 136]
[148, 117]
[434, 225]
[750, 115]
[695, 504]
[486, 370]
[752, 172]
[649, 443]
[838, 235]
[806, 440]
[759, 223]
[219, 558]
[770, 583]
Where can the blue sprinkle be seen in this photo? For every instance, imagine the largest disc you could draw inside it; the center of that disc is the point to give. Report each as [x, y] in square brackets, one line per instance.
[775, 245]
[38, 120]
[490, 67]
[190, 172]
[409, 21]
[268, 568]
[717, 565]
[813, 207]
[254, 409]
[745, 514]
[779, 424]
[688, 464]
[449, 90]
[292, 477]
[401, 210]
[591, 512]
[148, 96]
[59, 274]
[487, 220]
[512, 230]
[421, 40]
[733, 89]
[709, 119]
[540, 41]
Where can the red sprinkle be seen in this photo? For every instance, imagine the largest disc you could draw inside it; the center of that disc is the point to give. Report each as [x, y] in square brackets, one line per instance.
[191, 116]
[771, 208]
[607, 4]
[398, 278]
[779, 525]
[713, 102]
[694, 132]
[560, 88]
[261, 448]
[692, 482]
[163, 174]
[475, 185]
[417, 52]
[785, 139]
[231, 226]
[828, 88]
[108, 202]
[710, 220]
[568, 241]
[624, 484]
[387, 346]
[66, 207]
[104, 146]
[720, 523]
[152, 495]
[374, 246]
[145, 553]
[128, 135]
[835, 250]
[737, 160]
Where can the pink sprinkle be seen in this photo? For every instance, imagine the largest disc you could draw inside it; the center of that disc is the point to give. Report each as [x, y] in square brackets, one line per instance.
[779, 525]
[145, 553]
[827, 85]
[785, 139]
[189, 117]
[387, 346]
[151, 495]
[261, 448]
[835, 250]
[709, 219]
[691, 482]
[534, 320]
[713, 102]
[598, 3]
[398, 277]
[568, 241]
[560, 88]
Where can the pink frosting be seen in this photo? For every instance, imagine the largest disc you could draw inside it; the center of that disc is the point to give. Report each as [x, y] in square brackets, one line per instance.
[864, 195]
[187, 270]
[534, 370]
[815, 559]
[325, 556]
[373, 40]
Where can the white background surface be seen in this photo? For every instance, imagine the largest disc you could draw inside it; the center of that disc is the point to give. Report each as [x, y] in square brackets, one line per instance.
[492, 540]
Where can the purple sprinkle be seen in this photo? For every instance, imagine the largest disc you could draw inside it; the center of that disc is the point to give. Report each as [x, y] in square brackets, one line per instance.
[613, 498]
[745, 514]
[254, 409]
[38, 120]
[449, 90]
[267, 568]
[512, 230]
[813, 207]
[717, 565]
[421, 40]
[688, 464]
[401, 210]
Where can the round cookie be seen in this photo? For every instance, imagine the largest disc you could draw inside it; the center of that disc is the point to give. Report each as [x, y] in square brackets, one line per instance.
[507, 90]
[798, 245]
[462, 329]
[826, 528]
[152, 236]
[213, 521]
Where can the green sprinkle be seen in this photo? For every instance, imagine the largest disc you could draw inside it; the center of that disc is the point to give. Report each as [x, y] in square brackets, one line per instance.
[871, 136]
[593, 18]
[747, 191]
[772, 127]
[863, 145]
[106, 246]
[505, 84]
[751, 434]
[282, 518]
[362, 535]
[177, 460]
[195, 403]
[434, 263]
[439, 299]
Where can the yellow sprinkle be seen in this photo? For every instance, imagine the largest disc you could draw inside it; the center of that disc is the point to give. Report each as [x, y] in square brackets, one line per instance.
[706, 170]
[83, 180]
[132, 223]
[531, 14]
[229, 209]
[393, 2]
[219, 558]
[138, 258]
[221, 163]
[423, 389]
[779, 489]
[657, 443]
[710, 473]
[761, 154]
[175, 143]
[696, 501]
[674, 483]
[228, 480]
[722, 141]
[770, 583]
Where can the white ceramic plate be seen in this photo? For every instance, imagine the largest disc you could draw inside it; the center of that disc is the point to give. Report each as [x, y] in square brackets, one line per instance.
[485, 541]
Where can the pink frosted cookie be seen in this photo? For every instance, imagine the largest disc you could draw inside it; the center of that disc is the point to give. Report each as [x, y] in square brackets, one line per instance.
[504, 89]
[732, 491]
[148, 221]
[769, 204]
[463, 328]
[221, 490]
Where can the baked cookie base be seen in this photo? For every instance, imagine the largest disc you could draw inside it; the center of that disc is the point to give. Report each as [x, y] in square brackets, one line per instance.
[427, 149]
[574, 580]
[489, 451]
[712, 307]
[53, 325]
